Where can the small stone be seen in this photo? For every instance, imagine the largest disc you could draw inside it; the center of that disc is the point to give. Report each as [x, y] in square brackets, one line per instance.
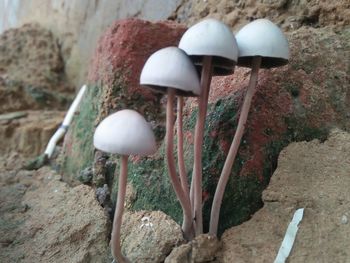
[85, 176]
[102, 194]
[344, 220]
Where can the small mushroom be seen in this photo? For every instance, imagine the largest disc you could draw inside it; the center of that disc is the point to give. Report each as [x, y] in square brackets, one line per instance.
[213, 48]
[261, 44]
[126, 133]
[170, 71]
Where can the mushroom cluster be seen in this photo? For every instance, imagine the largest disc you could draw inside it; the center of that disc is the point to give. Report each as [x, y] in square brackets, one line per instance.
[209, 48]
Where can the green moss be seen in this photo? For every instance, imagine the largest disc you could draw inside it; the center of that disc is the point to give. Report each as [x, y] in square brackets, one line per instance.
[154, 191]
[81, 133]
[300, 129]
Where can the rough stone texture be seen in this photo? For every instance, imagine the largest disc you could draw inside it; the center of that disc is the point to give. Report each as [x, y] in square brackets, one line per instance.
[147, 237]
[289, 14]
[114, 77]
[79, 23]
[29, 133]
[200, 250]
[32, 72]
[313, 175]
[301, 101]
[44, 220]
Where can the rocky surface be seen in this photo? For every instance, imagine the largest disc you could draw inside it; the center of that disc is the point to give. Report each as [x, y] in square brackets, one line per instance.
[45, 220]
[114, 84]
[79, 24]
[301, 101]
[147, 237]
[311, 175]
[202, 249]
[289, 14]
[32, 74]
[28, 132]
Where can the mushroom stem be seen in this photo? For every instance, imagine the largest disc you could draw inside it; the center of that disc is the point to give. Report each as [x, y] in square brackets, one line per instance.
[183, 198]
[117, 221]
[226, 171]
[180, 149]
[196, 183]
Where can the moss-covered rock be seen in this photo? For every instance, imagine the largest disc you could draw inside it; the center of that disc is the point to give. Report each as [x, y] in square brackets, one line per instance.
[301, 101]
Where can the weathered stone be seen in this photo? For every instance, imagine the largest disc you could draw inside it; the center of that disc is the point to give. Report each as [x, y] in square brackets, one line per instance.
[289, 14]
[79, 24]
[114, 77]
[200, 250]
[147, 237]
[31, 70]
[311, 175]
[30, 135]
[301, 101]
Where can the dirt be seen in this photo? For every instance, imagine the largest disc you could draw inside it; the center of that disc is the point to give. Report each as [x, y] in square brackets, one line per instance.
[312, 175]
[42, 219]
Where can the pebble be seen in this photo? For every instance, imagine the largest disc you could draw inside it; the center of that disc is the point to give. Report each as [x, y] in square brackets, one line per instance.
[344, 219]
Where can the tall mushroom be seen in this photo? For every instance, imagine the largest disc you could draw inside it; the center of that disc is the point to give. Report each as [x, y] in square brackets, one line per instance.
[261, 45]
[126, 133]
[170, 71]
[213, 48]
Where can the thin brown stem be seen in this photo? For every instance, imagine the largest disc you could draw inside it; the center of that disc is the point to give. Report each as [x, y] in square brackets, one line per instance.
[117, 221]
[196, 185]
[180, 148]
[226, 171]
[169, 141]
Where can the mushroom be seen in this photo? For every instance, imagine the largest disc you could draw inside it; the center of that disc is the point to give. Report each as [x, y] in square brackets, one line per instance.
[213, 48]
[261, 45]
[170, 71]
[126, 133]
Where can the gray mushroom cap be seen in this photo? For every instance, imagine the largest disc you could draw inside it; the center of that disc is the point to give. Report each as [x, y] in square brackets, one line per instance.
[211, 37]
[262, 38]
[170, 67]
[125, 132]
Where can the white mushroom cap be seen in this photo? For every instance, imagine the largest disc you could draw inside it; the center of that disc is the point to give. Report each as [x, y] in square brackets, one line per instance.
[211, 37]
[125, 132]
[262, 38]
[171, 68]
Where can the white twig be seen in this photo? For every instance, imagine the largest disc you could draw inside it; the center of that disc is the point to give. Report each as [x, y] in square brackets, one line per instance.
[65, 124]
[289, 237]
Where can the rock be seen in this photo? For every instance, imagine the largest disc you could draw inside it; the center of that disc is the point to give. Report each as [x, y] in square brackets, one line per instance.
[147, 237]
[200, 250]
[53, 222]
[78, 25]
[289, 14]
[114, 84]
[31, 70]
[85, 175]
[300, 101]
[181, 254]
[312, 175]
[204, 248]
[29, 135]
[103, 195]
